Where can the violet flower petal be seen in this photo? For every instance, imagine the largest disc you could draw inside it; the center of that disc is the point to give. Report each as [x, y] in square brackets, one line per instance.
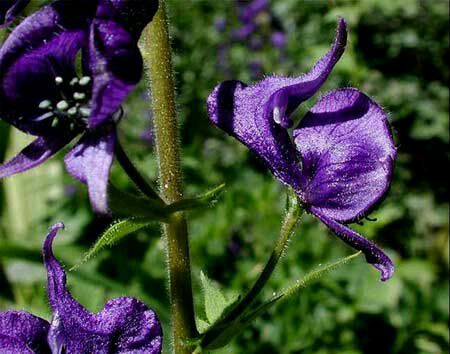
[90, 162]
[133, 15]
[374, 255]
[42, 47]
[250, 11]
[125, 325]
[347, 154]
[34, 154]
[286, 94]
[9, 9]
[22, 332]
[257, 115]
[237, 109]
[116, 65]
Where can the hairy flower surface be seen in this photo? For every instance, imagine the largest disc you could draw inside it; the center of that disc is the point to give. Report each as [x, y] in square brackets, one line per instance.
[9, 9]
[65, 71]
[125, 325]
[342, 157]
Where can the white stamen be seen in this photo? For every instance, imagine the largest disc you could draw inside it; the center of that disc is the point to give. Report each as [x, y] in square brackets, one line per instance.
[59, 80]
[62, 105]
[72, 111]
[277, 115]
[74, 81]
[85, 80]
[55, 122]
[85, 112]
[79, 96]
[45, 104]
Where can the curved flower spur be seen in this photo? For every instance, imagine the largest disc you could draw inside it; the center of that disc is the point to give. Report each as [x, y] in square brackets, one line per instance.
[42, 94]
[125, 325]
[341, 160]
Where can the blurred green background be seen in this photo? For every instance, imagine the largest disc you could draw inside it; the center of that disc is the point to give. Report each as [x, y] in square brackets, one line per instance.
[398, 53]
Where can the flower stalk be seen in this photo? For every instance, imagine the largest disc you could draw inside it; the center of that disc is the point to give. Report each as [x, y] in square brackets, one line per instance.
[157, 57]
[287, 228]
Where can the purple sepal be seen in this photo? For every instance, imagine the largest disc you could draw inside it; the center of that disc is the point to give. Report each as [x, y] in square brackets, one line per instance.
[116, 65]
[90, 162]
[34, 154]
[125, 325]
[22, 332]
[374, 255]
[257, 115]
[347, 154]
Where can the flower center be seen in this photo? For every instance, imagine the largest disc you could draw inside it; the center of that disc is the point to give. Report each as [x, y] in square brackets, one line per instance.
[71, 107]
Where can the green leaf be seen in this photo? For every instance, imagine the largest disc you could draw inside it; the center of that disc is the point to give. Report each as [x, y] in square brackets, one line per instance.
[129, 205]
[214, 301]
[220, 335]
[114, 234]
[202, 201]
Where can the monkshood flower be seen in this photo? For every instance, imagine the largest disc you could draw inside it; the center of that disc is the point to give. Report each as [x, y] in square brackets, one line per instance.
[42, 93]
[125, 325]
[9, 9]
[341, 160]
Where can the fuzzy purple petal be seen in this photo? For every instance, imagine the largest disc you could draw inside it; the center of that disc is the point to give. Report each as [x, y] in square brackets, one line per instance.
[286, 94]
[347, 154]
[125, 325]
[34, 154]
[257, 115]
[374, 255]
[42, 47]
[22, 332]
[116, 65]
[236, 109]
[90, 162]
[133, 15]
[9, 9]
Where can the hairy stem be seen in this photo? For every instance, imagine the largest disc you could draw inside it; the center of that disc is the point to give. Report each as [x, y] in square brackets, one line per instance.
[289, 223]
[157, 57]
[287, 228]
[134, 174]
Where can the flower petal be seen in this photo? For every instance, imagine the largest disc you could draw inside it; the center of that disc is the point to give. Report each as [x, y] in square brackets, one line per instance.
[286, 94]
[9, 9]
[374, 255]
[257, 115]
[134, 15]
[22, 332]
[34, 154]
[42, 47]
[125, 325]
[90, 161]
[116, 65]
[236, 109]
[348, 154]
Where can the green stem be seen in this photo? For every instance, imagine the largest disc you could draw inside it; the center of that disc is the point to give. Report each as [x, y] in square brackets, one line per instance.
[157, 57]
[134, 174]
[287, 228]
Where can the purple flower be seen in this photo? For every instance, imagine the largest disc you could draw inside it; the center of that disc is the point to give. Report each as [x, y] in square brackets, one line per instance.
[125, 325]
[278, 39]
[220, 24]
[341, 161]
[244, 31]
[9, 9]
[251, 10]
[42, 94]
